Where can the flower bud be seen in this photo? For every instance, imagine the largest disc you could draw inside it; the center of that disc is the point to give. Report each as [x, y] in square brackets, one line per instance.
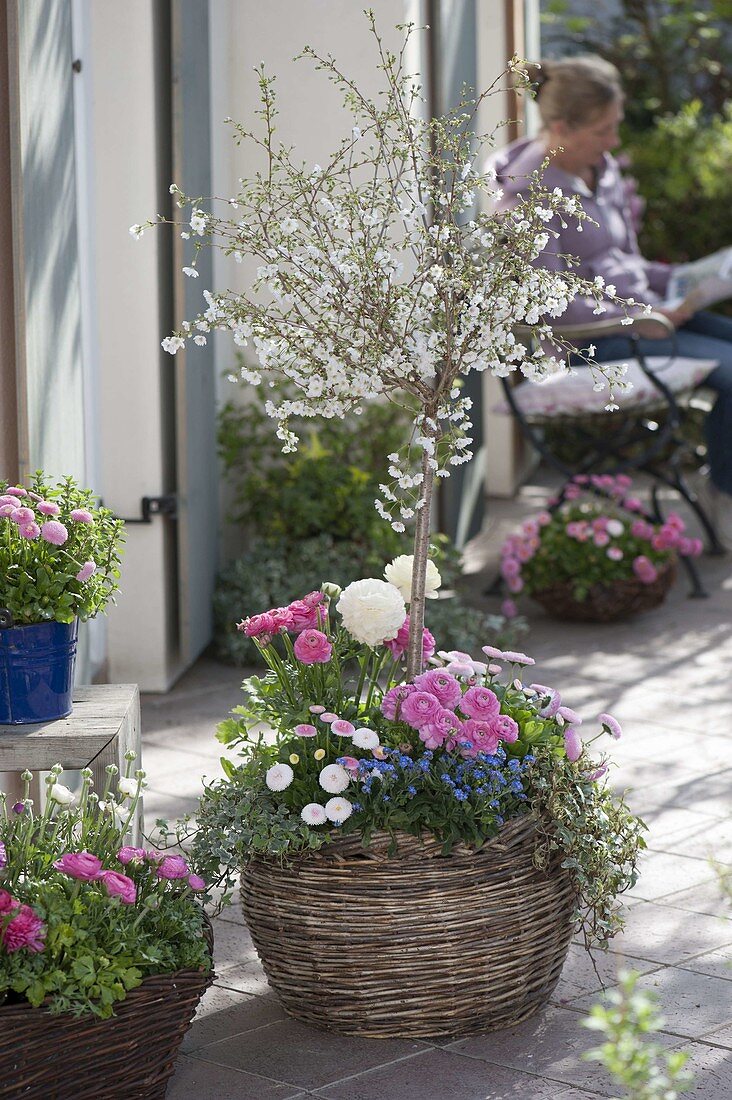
[319, 754]
[331, 589]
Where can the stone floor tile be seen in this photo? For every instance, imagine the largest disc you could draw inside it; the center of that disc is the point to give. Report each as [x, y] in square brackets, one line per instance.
[291, 1051]
[550, 1045]
[662, 874]
[718, 963]
[232, 946]
[224, 1012]
[690, 1003]
[203, 1080]
[706, 794]
[442, 1075]
[705, 898]
[720, 1037]
[703, 838]
[247, 978]
[660, 933]
[580, 976]
[712, 1070]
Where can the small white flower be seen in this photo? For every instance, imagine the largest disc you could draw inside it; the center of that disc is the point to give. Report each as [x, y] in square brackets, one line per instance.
[172, 344]
[127, 787]
[365, 738]
[136, 231]
[313, 813]
[334, 778]
[61, 794]
[338, 810]
[190, 272]
[114, 810]
[372, 611]
[614, 528]
[399, 573]
[279, 777]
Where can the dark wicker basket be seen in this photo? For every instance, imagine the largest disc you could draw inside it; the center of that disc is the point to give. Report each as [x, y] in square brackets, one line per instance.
[605, 603]
[130, 1055]
[417, 944]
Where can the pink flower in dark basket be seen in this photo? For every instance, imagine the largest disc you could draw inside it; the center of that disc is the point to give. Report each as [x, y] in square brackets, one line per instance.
[283, 619]
[120, 886]
[480, 702]
[644, 569]
[312, 647]
[7, 902]
[572, 743]
[82, 865]
[306, 612]
[391, 704]
[196, 883]
[130, 855]
[505, 727]
[445, 730]
[441, 684]
[420, 708]
[26, 929]
[173, 867]
[478, 737]
[400, 643]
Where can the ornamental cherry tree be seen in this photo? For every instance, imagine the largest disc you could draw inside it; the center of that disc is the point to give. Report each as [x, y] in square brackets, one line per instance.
[377, 281]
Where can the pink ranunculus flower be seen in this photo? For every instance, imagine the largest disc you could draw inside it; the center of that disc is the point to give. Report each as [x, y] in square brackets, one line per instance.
[514, 585]
[478, 736]
[81, 515]
[399, 644]
[30, 531]
[392, 702]
[7, 902]
[510, 567]
[283, 619]
[572, 743]
[196, 883]
[54, 532]
[304, 729]
[445, 730]
[633, 504]
[480, 702]
[509, 609]
[304, 616]
[256, 625]
[644, 569]
[48, 508]
[87, 570]
[120, 886]
[506, 728]
[312, 647]
[130, 855]
[173, 867]
[420, 708]
[445, 688]
[601, 538]
[26, 929]
[81, 865]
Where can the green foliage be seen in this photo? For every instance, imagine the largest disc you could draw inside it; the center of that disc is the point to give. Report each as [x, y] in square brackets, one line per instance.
[327, 486]
[598, 836]
[38, 578]
[683, 164]
[96, 947]
[645, 1069]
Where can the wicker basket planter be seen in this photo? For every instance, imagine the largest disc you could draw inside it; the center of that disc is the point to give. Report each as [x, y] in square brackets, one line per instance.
[130, 1055]
[414, 945]
[606, 603]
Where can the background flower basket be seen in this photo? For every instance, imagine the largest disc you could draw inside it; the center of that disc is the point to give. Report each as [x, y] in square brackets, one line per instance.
[412, 943]
[605, 603]
[132, 1054]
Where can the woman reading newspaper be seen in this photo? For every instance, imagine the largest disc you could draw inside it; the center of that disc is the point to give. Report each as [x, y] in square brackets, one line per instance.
[580, 102]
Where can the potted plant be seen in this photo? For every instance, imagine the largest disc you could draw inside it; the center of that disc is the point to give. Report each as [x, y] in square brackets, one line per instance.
[104, 949]
[596, 557]
[416, 852]
[59, 559]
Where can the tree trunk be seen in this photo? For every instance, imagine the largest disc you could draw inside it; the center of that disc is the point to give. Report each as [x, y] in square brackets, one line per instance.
[419, 572]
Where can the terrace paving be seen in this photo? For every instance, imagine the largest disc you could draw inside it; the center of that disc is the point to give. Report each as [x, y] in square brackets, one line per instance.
[666, 676]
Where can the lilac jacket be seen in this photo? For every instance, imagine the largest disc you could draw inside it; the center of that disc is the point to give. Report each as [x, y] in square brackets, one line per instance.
[609, 248]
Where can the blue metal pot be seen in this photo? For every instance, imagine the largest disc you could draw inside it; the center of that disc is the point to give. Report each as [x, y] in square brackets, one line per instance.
[36, 672]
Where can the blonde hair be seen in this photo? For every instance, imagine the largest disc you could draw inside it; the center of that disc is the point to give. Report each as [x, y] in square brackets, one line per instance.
[574, 89]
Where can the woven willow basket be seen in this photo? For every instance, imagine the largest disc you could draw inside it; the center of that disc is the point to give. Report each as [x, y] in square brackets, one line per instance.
[417, 944]
[131, 1055]
[605, 603]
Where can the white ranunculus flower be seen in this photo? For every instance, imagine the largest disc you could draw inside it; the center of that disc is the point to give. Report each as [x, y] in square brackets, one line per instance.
[334, 778]
[399, 573]
[615, 528]
[365, 738]
[127, 787]
[313, 814]
[372, 611]
[61, 794]
[338, 810]
[279, 776]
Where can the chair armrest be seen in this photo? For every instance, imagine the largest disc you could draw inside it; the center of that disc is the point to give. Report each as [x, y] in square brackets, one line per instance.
[611, 326]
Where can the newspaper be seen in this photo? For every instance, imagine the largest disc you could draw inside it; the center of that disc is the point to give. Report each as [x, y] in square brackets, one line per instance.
[701, 283]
